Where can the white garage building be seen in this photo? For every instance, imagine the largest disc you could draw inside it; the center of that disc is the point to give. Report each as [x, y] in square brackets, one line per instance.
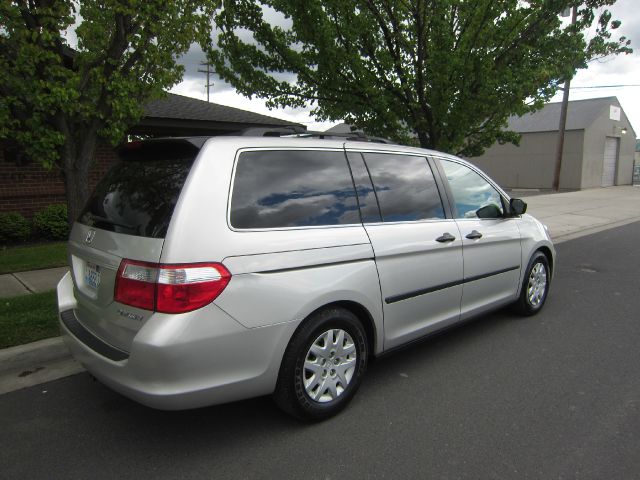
[598, 148]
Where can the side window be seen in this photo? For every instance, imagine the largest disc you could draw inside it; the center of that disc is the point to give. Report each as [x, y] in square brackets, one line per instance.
[276, 189]
[404, 187]
[474, 197]
[366, 195]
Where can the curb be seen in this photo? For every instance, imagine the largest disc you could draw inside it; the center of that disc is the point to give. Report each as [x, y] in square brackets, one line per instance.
[31, 354]
[34, 363]
[591, 230]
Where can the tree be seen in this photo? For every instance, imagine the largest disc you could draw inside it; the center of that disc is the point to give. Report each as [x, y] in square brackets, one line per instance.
[449, 72]
[55, 102]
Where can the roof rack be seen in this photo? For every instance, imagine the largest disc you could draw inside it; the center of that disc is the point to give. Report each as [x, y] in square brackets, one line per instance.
[299, 132]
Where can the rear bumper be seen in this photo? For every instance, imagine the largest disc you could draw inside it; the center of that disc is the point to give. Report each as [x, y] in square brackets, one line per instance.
[72, 325]
[181, 361]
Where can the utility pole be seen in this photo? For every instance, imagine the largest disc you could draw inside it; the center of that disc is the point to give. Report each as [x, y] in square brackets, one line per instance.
[208, 71]
[563, 118]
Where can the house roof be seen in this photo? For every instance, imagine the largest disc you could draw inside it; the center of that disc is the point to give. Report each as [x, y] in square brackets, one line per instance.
[179, 107]
[342, 128]
[580, 115]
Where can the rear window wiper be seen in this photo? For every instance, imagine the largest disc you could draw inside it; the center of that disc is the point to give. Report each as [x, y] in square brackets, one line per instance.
[97, 218]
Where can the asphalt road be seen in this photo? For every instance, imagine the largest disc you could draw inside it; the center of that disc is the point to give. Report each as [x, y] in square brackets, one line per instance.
[552, 396]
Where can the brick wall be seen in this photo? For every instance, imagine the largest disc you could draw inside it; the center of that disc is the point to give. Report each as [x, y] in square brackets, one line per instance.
[29, 188]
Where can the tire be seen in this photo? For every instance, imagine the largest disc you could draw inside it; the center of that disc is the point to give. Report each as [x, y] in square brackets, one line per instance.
[323, 365]
[535, 286]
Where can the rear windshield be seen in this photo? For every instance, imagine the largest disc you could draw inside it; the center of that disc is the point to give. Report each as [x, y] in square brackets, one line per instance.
[138, 195]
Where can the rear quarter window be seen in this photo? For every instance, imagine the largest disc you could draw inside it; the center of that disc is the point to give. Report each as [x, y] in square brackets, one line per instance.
[279, 189]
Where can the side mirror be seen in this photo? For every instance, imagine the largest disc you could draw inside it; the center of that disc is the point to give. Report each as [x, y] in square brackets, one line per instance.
[517, 206]
[489, 211]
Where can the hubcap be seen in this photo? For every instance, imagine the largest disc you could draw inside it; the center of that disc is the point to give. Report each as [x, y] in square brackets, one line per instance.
[329, 365]
[537, 284]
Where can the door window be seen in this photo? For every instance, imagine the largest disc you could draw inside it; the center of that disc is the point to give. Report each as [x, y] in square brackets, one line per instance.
[473, 196]
[369, 210]
[276, 189]
[404, 187]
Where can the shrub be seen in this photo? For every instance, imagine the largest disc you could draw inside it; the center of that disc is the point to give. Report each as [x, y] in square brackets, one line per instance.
[51, 222]
[14, 228]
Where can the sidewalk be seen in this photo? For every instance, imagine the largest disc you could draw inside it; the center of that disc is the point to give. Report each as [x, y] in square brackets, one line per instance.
[568, 215]
[35, 281]
[574, 214]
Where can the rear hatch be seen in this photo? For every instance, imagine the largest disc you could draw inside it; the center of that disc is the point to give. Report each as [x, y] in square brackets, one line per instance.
[126, 217]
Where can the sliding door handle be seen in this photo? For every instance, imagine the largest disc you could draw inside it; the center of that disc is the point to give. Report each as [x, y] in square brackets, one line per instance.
[445, 237]
[474, 235]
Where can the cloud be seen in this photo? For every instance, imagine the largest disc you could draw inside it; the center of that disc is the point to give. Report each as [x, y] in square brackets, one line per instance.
[622, 69]
[192, 62]
[226, 95]
[193, 83]
[616, 70]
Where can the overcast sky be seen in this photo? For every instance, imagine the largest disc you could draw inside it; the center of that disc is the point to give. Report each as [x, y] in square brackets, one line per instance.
[620, 70]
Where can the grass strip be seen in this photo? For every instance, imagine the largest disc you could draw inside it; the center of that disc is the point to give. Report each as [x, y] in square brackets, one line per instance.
[33, 257]
[28, 318]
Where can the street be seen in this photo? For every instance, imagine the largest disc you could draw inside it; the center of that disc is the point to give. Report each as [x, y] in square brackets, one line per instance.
[552, 396]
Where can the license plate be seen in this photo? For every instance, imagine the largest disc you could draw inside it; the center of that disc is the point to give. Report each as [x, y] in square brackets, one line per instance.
[92, 275]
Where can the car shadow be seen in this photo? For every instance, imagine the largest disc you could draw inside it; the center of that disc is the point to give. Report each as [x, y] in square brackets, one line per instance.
[234, 420]
[79, 414]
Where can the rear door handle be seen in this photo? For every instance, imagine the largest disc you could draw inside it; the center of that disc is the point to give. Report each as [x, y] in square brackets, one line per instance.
[445, 237]
[474, 235]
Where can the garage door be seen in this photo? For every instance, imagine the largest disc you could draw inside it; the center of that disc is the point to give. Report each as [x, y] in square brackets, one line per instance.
[610, 161]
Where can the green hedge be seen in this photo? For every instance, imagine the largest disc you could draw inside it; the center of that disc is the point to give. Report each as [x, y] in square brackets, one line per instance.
[51, 222]
[14, 228]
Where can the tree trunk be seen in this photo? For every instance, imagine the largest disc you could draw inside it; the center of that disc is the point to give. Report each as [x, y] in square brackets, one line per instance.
[77, 161]
[423, 138]
[424, 121]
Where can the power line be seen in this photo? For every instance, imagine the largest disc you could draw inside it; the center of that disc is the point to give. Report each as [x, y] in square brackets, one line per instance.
[607, 86]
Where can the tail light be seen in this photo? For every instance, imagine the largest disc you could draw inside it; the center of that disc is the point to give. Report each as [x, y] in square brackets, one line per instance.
[136, 284]
[169, 288]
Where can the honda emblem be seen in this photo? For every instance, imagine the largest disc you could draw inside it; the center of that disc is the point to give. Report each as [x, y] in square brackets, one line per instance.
[89, 238]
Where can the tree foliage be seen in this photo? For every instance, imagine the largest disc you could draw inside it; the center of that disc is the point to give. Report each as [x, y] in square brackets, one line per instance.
[447, 71]
[56, 101]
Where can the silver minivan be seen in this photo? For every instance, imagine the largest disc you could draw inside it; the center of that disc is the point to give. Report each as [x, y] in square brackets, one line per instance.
[208, 270]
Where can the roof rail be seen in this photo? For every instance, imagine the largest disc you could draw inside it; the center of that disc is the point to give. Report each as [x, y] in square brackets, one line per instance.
[298, 132]
[269, 131]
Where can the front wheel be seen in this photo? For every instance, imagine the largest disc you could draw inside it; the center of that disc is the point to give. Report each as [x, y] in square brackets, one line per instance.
[323, 365]
[535, 286]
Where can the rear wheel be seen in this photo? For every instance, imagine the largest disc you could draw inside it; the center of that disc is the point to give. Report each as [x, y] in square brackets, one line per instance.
[323, 365]
[535, 286]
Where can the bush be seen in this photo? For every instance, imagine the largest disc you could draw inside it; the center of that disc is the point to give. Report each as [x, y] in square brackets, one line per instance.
[51, 222]
[14, 228]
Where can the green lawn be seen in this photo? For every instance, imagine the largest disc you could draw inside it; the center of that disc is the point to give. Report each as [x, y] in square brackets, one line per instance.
[33, 257]
[28, 318]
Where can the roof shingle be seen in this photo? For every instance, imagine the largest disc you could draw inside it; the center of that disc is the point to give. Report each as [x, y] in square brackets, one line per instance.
[180, 107]
[580, 115]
